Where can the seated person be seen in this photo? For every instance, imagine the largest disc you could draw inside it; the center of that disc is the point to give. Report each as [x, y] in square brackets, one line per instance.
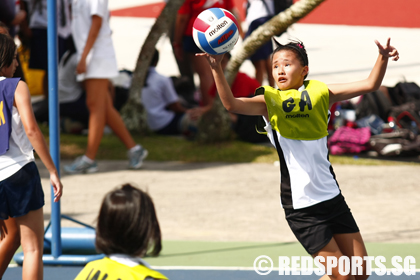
[165, 113]
[242, 86]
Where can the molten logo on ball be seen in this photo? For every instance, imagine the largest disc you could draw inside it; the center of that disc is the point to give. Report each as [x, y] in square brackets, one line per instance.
[218, 27]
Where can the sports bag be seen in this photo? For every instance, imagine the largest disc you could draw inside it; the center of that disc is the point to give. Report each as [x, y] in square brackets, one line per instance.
[349, 140]
[399, 142]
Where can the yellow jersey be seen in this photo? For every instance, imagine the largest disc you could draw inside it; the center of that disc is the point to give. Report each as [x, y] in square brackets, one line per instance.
[298, 114]
[109, 269]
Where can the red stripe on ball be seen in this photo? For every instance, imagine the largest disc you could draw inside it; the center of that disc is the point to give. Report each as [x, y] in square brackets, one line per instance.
[231, 16]
[200, 25]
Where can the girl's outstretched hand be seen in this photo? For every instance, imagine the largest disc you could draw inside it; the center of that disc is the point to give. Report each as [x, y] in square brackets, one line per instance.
[213, 60]
[388, 50]
[57, 186]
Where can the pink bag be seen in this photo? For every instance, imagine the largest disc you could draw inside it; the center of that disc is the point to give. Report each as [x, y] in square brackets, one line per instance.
[349, 140]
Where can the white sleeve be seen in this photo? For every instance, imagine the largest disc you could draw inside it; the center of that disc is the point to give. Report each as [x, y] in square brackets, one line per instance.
[168, 90]
[99, 8]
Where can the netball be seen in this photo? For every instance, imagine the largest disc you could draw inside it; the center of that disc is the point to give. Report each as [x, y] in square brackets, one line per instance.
[215, 31]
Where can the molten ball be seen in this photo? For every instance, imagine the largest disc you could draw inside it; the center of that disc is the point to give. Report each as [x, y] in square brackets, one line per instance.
[215, 31]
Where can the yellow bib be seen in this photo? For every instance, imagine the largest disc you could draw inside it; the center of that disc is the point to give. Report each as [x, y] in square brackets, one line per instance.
[111, 270]
[298, 114]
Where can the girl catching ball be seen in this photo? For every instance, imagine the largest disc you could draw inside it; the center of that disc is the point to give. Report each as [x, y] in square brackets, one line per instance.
[296, 116]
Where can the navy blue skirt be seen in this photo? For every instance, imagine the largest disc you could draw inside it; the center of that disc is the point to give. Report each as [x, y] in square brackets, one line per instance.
[20, 193]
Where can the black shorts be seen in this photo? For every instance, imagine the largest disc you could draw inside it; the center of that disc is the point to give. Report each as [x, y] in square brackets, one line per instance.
[315, 226]
[174, 127]
[189, 45]
[20, 193]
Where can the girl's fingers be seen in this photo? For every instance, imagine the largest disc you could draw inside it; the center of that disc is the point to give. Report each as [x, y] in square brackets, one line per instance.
[379, 45]
[57, 194]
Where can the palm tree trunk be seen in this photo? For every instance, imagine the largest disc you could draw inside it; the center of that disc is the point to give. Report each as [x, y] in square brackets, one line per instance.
[133, 112]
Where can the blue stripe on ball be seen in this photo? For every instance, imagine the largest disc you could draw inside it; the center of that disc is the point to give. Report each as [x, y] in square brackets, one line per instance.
[217, 12]
[215, 43]
[204, 44]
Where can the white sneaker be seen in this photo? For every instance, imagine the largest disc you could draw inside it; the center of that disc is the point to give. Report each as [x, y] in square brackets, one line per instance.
[81, 166]
[136, 158]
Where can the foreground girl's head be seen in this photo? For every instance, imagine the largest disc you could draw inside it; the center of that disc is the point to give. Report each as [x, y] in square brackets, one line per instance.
[127, 223]
[8, 54]
[290, 65]
[4, 29]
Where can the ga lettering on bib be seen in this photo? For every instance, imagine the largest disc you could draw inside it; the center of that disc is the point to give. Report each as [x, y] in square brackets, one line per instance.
[298, 114]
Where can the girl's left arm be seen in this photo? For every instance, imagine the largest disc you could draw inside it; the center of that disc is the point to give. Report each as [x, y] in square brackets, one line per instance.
[35, 136]
[339, 92]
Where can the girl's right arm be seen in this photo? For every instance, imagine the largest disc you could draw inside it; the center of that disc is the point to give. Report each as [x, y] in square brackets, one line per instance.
[254, 106]
[24, 106]
[93, 34]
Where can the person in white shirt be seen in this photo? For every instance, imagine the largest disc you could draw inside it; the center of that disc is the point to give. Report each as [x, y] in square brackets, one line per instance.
[164, 109]
[96, 64]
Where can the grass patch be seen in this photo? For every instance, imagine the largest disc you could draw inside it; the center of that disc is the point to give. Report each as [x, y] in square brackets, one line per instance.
[169, 148]
[164, 148]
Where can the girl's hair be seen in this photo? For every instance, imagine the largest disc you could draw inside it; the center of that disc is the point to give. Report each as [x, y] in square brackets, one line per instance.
[4, 26]
[127, 223]
[297, 48]
[7, 50]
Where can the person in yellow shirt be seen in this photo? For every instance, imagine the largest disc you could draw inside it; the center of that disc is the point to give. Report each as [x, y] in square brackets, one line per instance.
[127, 227]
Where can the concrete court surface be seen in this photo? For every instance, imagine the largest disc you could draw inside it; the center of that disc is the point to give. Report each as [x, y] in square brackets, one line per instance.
[240, 202]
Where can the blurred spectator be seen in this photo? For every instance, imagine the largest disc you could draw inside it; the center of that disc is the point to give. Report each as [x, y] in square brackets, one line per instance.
[10, 16]
[35, 29]
[165, 112]
[74, 114]
[258, 13]
[96, 65]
